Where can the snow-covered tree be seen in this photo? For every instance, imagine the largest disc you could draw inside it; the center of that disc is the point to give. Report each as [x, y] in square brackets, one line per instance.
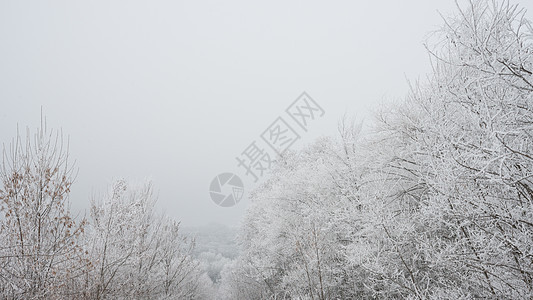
[455, 161]
[40, 252]
[135, 253]
[125, 251]
[295, 233]
[434, 201]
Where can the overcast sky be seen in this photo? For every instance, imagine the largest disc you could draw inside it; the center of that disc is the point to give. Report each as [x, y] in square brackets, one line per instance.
[175, 90]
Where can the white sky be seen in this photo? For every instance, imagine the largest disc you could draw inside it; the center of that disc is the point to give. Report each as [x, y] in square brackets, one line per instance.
[175, 90]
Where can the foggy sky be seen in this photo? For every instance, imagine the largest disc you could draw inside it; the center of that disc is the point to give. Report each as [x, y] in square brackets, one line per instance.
[175, 90]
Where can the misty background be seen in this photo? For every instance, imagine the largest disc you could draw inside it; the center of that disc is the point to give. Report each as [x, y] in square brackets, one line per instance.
[175, 90]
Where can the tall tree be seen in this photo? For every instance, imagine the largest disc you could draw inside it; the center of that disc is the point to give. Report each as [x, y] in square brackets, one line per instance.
[40, 255]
